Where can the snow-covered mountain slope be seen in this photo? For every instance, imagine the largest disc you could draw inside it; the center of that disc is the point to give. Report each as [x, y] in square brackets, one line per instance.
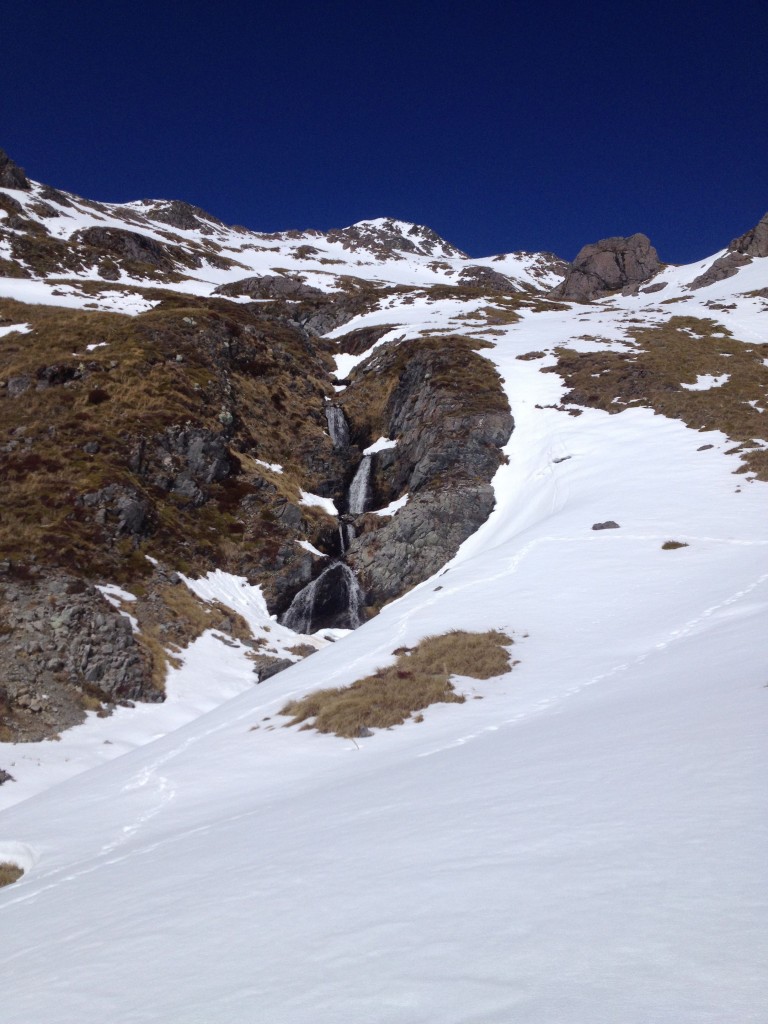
[48, 234]
[582, 839]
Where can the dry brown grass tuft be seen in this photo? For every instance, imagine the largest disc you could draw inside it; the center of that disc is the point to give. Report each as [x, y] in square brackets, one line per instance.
[9, 873]
[418, 678]
[672, 545]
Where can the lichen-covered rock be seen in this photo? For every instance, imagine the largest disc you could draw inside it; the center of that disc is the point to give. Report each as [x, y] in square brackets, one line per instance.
[63, 648]
[609, 265]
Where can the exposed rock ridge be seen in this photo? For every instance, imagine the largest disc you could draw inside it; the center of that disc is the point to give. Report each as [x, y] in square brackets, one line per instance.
[755, 241]
[11, 175]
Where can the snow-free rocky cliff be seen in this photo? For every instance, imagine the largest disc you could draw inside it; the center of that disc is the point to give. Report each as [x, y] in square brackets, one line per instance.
[240, 467]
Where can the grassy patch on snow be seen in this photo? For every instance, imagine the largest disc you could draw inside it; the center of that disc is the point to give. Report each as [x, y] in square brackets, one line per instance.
[9, 873]
[652, 372]
[420, 677]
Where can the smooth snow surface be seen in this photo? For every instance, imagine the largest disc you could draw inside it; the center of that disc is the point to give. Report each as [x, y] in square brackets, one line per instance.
[583, 840]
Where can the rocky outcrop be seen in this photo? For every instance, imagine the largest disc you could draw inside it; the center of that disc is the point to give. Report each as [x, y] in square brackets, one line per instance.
[754, 242]
[611, 265]
[11, 175]
[740, 252]
[722, 268]
[127, 245]
[178, 214]
[183, 460]
[416, 542]
[63, 648]
[445, 406]
[119, 509]
[270, 286]
[487, 279]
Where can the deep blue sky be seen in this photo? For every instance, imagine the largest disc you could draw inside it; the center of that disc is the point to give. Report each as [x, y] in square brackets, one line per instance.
[538, 126]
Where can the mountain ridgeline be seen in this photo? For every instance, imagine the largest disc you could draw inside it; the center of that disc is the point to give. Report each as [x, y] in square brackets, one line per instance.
[179, 396]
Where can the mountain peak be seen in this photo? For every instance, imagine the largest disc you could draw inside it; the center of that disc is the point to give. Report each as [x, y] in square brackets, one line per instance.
[386, 235]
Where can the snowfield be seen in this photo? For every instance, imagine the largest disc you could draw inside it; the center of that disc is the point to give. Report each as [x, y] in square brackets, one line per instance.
[583, 840]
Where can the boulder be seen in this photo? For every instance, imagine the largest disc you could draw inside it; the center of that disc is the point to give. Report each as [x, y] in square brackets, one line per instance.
[609, 265]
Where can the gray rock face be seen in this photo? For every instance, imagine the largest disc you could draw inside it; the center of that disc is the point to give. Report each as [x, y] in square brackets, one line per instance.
[608, 266]
[64, 644]
[450, 418]
[11, 175]
[119, 509]
[724, 267]
[184, 460]
[487, 279]
[741, 251]
[754, 242]
[179, 214]
[270, 286]
[127, 245]
[421, 538]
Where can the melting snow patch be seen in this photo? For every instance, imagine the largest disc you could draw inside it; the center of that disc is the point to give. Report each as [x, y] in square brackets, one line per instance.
[274, 466]
[15, 329]
[379, 446]
[705, 381]
[310, 547]
[317, 501]
[116, 596]
[98, 344]
[393, 507]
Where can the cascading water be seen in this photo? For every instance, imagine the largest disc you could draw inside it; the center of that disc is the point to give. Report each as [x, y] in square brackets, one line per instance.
[359, 489]
[333, 599]
[338, 427]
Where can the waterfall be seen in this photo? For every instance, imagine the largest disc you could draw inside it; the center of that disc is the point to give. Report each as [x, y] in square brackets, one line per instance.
[334, 599]
[346, 533]
[360, 487]
[338, 427]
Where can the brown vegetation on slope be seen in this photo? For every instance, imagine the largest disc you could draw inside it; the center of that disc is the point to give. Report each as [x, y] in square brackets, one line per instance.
[662, 359]
[420, 677]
